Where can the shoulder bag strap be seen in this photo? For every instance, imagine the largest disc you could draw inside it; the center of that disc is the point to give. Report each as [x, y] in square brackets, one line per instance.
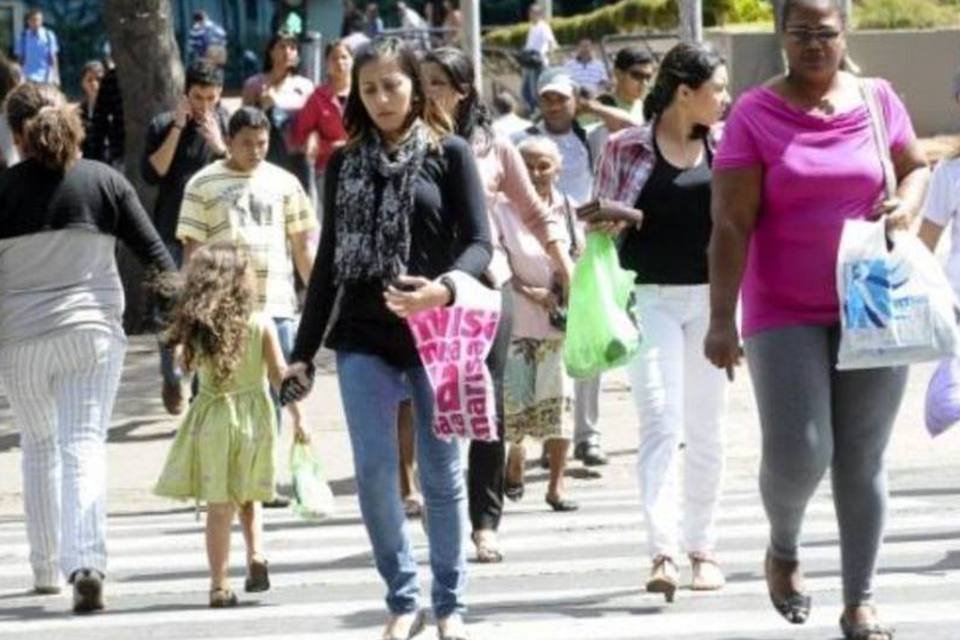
[878, 125]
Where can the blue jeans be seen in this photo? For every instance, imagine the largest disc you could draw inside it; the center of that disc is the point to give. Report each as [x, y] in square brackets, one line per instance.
[371, 389]
[286, 334]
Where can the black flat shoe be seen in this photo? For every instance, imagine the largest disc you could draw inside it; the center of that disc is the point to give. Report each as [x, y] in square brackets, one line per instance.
[562, 504]
[590, 454]
[795, 607]
[223, 599]
[87, 590]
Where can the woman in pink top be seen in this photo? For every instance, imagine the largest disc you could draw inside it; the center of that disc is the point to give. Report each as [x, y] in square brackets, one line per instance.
[798, 159]
[449, 80]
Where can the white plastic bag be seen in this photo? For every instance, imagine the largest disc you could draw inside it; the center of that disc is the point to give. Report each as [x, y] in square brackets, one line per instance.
[312, 496]
[897, 307]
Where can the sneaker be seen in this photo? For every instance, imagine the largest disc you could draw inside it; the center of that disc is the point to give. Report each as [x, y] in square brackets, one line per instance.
[590, 454]
[87, 590]
[172, 395]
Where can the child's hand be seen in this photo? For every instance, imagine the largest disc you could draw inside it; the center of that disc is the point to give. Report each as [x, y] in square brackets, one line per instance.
[541, 296]
[300, 434]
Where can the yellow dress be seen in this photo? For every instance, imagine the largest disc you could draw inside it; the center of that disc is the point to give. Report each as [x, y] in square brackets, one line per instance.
[224, 449]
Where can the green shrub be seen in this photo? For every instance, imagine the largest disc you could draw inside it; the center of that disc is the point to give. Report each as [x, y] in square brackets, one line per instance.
[628, 16]
[904, 14]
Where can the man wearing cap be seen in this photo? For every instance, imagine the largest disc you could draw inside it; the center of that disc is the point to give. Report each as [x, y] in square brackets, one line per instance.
[559, 106]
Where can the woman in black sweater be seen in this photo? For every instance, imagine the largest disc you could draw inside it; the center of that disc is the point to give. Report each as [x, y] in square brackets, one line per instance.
[403, 205]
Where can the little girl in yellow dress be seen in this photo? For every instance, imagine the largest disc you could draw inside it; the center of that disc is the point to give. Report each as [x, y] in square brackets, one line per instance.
[224, 450]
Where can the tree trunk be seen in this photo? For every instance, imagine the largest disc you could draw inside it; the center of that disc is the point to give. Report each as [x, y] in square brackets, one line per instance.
[151, 80]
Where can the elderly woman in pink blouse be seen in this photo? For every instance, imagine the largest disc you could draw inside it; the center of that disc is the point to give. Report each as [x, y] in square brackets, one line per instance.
[798, 159]
[449, 82]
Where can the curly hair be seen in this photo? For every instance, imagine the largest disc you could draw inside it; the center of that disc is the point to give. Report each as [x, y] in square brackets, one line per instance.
[210, 319]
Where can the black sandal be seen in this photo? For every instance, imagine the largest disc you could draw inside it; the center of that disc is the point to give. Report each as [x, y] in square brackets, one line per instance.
[864, 631]
[513, 490]
[258, 576]
[795, 608]
[222, 598]
[562, 505]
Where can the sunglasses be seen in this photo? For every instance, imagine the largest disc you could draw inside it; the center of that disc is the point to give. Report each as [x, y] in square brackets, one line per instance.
[806, 36]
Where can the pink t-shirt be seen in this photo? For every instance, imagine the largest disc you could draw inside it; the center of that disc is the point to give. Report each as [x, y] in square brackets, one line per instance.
[817, 172]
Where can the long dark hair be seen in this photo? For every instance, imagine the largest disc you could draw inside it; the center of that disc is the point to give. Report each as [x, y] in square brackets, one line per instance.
[279, 36]
[360, 126]
[472, 117]
[685, 64]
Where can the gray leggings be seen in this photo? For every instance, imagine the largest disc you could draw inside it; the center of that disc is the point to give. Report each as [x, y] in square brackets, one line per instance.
[814, 417]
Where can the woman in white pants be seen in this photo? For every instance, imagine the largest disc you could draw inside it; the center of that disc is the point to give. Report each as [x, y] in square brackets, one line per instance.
[663, 169]
[61, 337]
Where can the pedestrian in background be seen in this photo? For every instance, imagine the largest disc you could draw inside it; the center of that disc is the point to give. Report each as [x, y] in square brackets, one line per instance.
[90, 77]
[539, 44]
[403, 205]
[587, 71]
[797, 159]
[179, 144]
[281, 91]
[38, 50]
[450, 82]
[942, 206]
[61, 332]
[538, 394]
[256, 204]
[224, 451]
[319, 125]
[207, 40]
[663, 168]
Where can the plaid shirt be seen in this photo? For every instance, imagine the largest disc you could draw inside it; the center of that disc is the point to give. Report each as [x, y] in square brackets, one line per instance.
[627, 161]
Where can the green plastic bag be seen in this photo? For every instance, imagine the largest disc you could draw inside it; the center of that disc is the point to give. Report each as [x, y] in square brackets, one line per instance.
[602, 327]
[312, 497]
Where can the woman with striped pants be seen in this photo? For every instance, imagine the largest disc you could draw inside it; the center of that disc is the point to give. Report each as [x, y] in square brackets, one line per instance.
[61, 336]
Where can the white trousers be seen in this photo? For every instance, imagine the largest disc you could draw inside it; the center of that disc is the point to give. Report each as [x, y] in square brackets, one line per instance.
[680, 400]
[61, 390]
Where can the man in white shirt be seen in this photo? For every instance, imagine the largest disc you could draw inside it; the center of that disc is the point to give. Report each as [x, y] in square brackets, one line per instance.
[587, 71]
[507, 122]
[540, 41]
[559, 106]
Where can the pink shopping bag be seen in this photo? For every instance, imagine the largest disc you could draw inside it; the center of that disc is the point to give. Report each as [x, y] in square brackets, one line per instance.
[453, 343]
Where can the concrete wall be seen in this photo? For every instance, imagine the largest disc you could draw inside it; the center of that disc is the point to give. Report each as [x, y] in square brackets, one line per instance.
[919, 64]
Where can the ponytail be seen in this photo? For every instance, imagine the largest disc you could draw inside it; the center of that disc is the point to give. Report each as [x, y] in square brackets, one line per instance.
[49, 129]
[685, 64]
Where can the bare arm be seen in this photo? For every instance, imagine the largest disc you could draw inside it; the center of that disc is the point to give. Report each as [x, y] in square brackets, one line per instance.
[162, 158]
[276, 368]
[613, 118]
[913, 176]
[190, 247]
[930, 233]
[304, 247]
[735, 207]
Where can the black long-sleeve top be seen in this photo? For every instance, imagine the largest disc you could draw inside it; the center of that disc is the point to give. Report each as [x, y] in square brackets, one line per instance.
[449, 231]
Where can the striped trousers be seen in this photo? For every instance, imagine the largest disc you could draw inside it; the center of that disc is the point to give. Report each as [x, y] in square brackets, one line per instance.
[61, 389]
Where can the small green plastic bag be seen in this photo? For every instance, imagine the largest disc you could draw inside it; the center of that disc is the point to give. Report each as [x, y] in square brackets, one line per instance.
[312, 497]
[602, 326]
